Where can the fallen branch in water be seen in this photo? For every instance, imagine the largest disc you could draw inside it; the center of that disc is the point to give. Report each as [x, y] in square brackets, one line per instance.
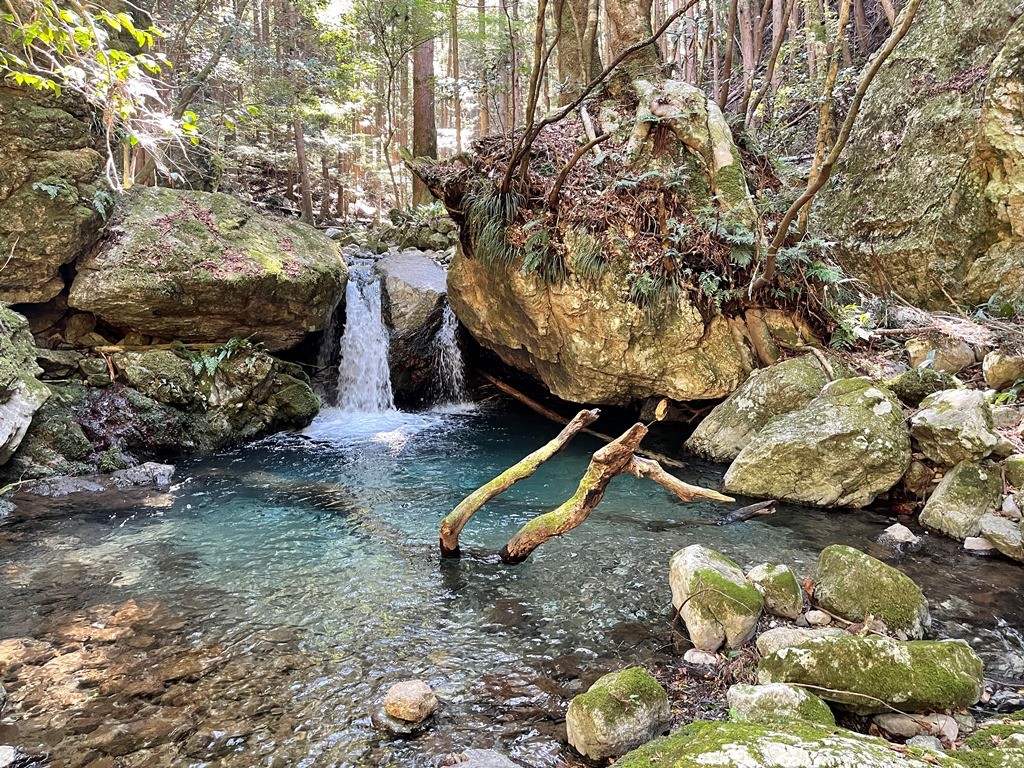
[456, 520]
[613, 459]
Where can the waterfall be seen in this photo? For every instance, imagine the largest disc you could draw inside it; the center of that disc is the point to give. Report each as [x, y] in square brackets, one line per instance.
[364, 379]
[451, 371]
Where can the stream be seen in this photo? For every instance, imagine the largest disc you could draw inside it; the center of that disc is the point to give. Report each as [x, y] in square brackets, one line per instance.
[277, 590]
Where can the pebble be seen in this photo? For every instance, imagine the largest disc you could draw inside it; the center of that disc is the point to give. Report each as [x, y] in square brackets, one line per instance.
[927, 742]
[818, 618]
[899, 538]
[701, 658]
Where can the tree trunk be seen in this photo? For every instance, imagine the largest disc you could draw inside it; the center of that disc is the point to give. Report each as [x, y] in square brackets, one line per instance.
[457, 103]
[424, 125]
[306, 200]
[578, 62]
[481, 24]
[629, 22]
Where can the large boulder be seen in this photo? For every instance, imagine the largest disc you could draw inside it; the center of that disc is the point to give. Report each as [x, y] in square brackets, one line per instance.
[412, 303]
[928, 199]
[967, 492]
[21, 394]
[790, 745]
[52, 194]
[776, 703]
[855, 586]
[868, 674]
[954, 425]
[713, 598]
[769, 392]
[621, 711]
[201, 267]
[844, 448]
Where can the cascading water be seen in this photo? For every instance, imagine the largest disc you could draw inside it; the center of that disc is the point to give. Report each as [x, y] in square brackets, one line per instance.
[364, 379]
[451, 370]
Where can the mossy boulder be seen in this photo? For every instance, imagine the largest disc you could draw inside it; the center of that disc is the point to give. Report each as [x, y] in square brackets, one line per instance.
[768, 392]
[928, 198]
[954, 425]
[777, 703]
[967, 492]
[52, 192]
[843, 448]
[914, 385]
[1013, 468]
[703, 744]
[713, 598]
[854, 585]
[201, 267]
[868, 674]
[780, 588]
[621, 711]
[21, 394]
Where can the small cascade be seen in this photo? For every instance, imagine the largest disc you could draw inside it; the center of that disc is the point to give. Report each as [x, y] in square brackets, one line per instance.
[451, 370]
[364, 379]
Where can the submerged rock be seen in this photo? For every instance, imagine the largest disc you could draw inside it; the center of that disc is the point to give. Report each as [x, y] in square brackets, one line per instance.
[856, 586]
[953, 426]
[869, 674]
[777, 703]
[410, 700]
[768, 393]
[844, 448]
[482, 758]
[900, 539]
[713, 598]
[201, 267]
[21, 394]
[780, 588]
[966, 493]
[621, 711]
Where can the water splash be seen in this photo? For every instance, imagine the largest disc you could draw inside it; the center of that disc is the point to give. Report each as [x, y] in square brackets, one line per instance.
[450, 367]
[364, 378]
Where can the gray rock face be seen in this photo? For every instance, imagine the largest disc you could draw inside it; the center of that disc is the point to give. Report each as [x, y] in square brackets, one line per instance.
[854, 585]
[769, 392]
[844, 448]
[621, 711]
[780, 588]
[966, 493]
[1002, 369]
[865, 674]
[201, 267]
[21, 394]
[1005, 535]
[954, 425]
[713, 598]
[775, 703]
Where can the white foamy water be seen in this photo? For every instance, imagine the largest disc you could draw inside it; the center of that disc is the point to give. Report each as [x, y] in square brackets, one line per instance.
[451, 369]
[364, 379]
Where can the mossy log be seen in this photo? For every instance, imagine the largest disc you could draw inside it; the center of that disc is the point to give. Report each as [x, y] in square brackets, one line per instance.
[611, 460]
[456, 520]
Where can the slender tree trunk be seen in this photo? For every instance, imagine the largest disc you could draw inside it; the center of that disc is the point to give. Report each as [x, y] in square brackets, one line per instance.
[306, 200]
[424, 124]
[578, 61]
[730, 36]
[481, 28]
[457, 102]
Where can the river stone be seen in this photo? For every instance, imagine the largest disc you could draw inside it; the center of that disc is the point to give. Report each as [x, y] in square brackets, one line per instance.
[944, 354]
[21, 394]
[914, 676]
[908, 726]
[844, 448]
[412, 701]
[854, 585]
[769, 392]
[1002, 369]
[1005, 535]
[900, 539]
[914, 385]
[776, 639]
[775, 703]
[713, 598]
[621, 711]
[928, 198]
[1007, 416]
[201, 267]
[484, 758]
[780, 588]
[954, 425]
[1013, 468]
[966, 493]
[790, 745]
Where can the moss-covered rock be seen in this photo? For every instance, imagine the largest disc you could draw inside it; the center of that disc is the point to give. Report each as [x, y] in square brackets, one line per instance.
[201, 267]
[777, 703]
[1006, 535]
[769, 392]
[52, 191]
[1013, 468]
[954, 425]
[713, 598]
[621, 711]
[928, 197]
[914, 385]
[780, 588]
[967, 492]
[842, 449]
[21, 394]
[870, 674]
[703, 744]
[854, 585]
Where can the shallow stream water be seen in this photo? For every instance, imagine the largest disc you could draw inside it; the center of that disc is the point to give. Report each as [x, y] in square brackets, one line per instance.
[277, 591]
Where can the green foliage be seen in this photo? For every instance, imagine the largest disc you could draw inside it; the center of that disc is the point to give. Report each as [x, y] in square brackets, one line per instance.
[53, 190]
[489, 214]
[588, 262]
[206, 362]
[103, 202]
[1011, 396]
[541, 258]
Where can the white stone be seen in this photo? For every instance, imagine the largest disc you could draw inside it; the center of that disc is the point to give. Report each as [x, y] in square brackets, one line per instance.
[979, 545]
[818, 618]
[700, 658]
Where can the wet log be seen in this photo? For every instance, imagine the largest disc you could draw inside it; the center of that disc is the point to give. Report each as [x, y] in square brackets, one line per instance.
[456, 520]
[611, 460]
